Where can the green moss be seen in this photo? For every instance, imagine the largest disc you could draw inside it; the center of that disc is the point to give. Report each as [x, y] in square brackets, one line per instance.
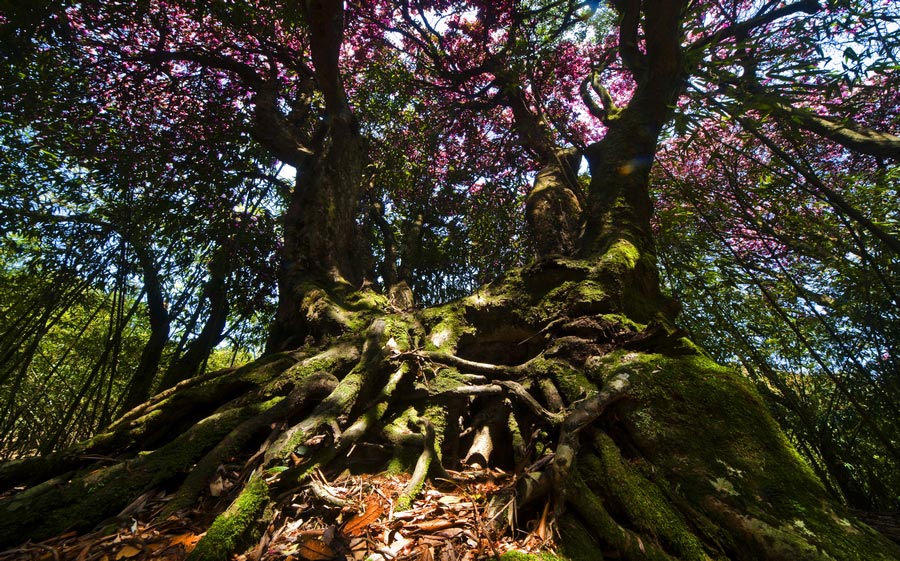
[237, 527]
[646, 508]
[258, 371]
[326, 361]
[93, 496]
[603, 526]
[437, 414]
[401, 462]
[398, 432]
[446, 325]
[577, 543]
[198, 478]
[366, 300]
[711, 444]
[447, 378]
[573, 384]
[519, 556]
[622, 254]
[590, 296]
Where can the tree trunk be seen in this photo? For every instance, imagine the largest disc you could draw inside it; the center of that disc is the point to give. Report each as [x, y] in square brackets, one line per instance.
[141, 384]
[215, 293]
[321, 258]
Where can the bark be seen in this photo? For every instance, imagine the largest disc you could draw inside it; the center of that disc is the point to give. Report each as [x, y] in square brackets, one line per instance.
[321, 254]
[554, 207]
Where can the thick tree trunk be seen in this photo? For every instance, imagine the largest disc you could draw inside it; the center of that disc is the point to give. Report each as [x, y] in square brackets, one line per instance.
[321, 259]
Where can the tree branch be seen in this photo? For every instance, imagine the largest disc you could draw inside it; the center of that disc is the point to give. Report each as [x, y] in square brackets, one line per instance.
[606, 109]
[245, 72]
[744, 28]
[632, 57]
[846, 133]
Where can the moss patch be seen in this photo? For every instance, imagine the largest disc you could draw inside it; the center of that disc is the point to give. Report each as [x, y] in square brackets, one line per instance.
[519, 556]
[236, 527]
[48, 510]
[714, 448]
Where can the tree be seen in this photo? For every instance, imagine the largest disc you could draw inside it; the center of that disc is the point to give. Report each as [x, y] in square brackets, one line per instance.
[637, 441]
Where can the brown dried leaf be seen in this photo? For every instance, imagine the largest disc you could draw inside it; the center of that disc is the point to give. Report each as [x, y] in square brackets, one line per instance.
[127, 551]
[83, 554]
[434, 525]
[449, 533]
[357, 525]
[314, 549]
[449, 500]
[188, 540]
[543, 528]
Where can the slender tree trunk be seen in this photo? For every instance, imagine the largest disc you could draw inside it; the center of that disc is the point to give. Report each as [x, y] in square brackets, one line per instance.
[141, 383]
[199, 349]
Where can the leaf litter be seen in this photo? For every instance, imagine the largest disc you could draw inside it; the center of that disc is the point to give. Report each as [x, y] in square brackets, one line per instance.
[349, 518]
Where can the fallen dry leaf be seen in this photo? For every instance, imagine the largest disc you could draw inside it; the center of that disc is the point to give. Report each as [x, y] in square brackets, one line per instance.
[127, 551]
[314, 549]
[358, 524]
[434, 525]
[188, 540]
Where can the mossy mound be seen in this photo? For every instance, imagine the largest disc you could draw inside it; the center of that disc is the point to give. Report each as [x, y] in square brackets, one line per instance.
[693, 460]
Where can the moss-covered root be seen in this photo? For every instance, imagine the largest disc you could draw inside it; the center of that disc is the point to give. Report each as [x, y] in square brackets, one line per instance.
[150, 425]
[312, 388]
[238, 527]
[92, 496]
[519, 556]
[628, 544]
[428, 462]
[639, 500]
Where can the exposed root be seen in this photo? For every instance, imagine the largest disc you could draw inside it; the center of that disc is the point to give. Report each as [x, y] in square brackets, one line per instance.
[314, 387]
[496, 371]
[380, 404]
[598, 521]
[579, 418]
[153, 424]
[522, 395]
[488, 426]
[428, 462]
[238, 526]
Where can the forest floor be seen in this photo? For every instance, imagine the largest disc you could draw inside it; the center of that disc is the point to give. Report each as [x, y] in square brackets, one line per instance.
[349, 517]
